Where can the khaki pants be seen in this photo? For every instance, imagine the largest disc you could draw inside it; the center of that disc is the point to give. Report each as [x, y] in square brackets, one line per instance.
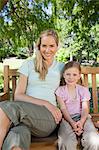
[67, 139]
[26, 119]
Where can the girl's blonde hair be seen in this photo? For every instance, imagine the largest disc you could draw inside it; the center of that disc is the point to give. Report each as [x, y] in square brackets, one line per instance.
[68, 65]
[40, 63]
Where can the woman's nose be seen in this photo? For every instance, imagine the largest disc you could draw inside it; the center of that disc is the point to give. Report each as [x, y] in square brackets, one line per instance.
[47, 49]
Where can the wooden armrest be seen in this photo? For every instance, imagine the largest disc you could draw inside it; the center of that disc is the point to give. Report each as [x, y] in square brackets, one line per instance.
[96, 124]
[3, 96]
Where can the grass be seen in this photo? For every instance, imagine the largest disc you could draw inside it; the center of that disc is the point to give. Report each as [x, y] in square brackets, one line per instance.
[13, 63]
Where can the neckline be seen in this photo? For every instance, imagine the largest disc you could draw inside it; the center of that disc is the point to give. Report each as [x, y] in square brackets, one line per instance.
[68, 95]
[52, 65]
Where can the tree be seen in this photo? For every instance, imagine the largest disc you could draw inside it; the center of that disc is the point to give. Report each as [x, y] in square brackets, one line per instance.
[22, 21]
[3, 3]
[80, 16]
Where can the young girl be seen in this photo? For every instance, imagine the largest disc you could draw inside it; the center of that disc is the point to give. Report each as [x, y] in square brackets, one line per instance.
[73, 100]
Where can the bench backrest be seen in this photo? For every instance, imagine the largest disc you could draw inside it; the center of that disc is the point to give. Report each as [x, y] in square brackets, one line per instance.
[10, 79]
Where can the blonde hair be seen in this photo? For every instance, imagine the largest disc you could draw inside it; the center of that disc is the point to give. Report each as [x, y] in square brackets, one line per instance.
[70, 65]
[40, 64]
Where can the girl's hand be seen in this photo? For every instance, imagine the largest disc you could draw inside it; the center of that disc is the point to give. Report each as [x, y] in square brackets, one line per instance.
[55, 112]
[79, 128]
[74, 126]
[79, 124]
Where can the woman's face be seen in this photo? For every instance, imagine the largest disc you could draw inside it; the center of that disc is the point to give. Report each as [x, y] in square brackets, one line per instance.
[48, 47]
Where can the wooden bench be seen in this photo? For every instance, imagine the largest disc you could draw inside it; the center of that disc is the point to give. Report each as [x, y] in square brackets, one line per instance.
[49, 143]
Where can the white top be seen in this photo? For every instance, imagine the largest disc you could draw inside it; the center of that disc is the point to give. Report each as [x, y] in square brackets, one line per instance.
[42, 89]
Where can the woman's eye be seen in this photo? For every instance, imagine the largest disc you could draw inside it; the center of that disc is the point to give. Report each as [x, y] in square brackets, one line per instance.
[67, 74]
[43, 45]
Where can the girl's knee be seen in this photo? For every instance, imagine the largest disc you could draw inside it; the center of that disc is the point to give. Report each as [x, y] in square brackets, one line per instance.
[91, 140]
[67, 143]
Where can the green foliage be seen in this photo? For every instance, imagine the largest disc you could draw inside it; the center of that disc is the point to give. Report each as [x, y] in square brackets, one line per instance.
[62, 55]
[77, 22]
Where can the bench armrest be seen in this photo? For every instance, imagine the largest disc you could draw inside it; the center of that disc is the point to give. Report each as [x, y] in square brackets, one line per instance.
[3, 96]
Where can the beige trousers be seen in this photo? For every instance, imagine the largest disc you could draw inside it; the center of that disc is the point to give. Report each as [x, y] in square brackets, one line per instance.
[67, 139]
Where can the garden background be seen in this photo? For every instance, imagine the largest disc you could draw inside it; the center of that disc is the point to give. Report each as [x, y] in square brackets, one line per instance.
[76, 21]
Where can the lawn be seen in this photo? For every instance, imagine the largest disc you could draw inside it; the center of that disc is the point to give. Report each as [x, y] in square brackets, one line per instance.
[13, 63]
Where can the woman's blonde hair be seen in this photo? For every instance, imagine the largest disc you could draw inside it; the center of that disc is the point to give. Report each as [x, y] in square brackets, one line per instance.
[40, 63]
[68, 65]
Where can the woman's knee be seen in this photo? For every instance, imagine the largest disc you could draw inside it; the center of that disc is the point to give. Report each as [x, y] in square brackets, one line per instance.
[18, 138]
[4, 118]
[16, 148]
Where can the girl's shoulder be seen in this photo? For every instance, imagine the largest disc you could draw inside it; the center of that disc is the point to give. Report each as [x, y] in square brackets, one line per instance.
[83, 92]
[60, 89]
[82, 88]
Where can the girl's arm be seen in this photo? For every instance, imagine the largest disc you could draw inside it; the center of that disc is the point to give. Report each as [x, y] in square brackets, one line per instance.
[85, 111]
[84, 115]
[20, 95]
[65, 112]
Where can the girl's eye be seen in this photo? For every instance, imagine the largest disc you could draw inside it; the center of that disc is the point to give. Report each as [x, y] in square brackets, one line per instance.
[51, 45]
[74, 74]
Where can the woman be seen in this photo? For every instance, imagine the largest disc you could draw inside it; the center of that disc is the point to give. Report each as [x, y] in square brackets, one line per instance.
[34, 110]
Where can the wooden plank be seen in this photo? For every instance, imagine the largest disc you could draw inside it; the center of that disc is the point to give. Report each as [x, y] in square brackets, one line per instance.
[94, 93]
[13, 72]
[44, 146]
[89, 70]
[13, 86]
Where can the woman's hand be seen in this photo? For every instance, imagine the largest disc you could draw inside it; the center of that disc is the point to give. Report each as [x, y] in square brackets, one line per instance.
[55, 112]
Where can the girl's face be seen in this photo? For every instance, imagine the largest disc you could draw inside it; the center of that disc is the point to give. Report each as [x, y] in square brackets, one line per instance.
[71, 76]
[48, 47]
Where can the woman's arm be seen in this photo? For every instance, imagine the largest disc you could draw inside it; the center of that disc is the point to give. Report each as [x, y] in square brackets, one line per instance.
[21, 96]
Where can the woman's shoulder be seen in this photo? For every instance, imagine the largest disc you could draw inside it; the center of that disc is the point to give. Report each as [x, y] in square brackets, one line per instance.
[28, 61]
[26, 66]
[59, 65]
